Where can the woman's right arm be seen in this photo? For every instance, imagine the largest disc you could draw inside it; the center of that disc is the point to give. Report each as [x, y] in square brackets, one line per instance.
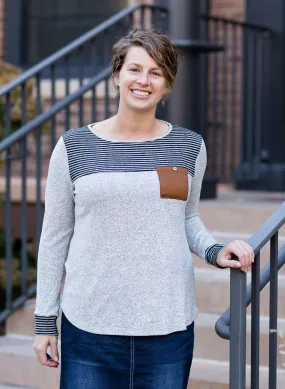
[57, 231]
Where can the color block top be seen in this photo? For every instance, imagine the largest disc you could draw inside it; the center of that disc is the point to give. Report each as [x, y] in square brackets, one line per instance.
[121, 219]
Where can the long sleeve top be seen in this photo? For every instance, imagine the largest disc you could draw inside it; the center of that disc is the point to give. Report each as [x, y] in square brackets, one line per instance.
[121, 220]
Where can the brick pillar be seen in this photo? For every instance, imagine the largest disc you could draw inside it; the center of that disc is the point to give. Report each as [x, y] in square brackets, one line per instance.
[229, 9]
[2, 27]
[137, 16]
[232, 9]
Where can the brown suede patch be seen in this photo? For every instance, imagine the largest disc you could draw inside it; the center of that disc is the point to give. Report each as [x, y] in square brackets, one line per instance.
[173, 182]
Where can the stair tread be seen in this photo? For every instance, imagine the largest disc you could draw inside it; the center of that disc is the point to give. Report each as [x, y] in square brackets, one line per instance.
[218, 371]
[9, 386]
[206, 319]
[17, 345]
[212, 274]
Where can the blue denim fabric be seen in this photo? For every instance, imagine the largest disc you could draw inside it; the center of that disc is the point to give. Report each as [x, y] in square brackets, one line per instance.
[92, 361]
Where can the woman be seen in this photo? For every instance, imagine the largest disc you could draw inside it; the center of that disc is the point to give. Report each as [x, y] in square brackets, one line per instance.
[122, 219]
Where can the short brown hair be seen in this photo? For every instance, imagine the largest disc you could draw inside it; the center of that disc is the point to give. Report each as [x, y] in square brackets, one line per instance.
[156, 44]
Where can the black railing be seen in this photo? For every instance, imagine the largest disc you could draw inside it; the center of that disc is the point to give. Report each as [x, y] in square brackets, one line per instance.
[74, 64]
[237, 88]
[232, 324]
[73, 102]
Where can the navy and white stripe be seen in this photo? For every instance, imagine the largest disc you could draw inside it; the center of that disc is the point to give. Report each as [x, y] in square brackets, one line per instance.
[87, 153]
[45, 325]
[212, 254]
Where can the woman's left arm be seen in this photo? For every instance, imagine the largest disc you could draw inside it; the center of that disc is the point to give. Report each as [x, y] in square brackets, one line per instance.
[200, 241]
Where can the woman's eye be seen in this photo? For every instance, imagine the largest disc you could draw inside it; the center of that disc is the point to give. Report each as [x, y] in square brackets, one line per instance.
[134, 70]
[156, 74]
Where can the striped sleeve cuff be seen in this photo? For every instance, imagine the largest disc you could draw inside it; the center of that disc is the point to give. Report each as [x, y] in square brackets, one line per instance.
[45, 325]
[212, 254]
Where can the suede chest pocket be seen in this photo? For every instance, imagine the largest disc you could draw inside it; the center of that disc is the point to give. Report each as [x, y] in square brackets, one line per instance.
[173, 181]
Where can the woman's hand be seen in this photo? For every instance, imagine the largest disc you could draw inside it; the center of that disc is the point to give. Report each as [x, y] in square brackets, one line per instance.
[242, 250]
[40, 346]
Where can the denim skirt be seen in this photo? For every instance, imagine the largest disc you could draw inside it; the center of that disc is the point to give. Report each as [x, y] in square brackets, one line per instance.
[92, 361]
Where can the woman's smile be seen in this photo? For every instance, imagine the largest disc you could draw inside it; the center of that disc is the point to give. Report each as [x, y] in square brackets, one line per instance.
[141, 94]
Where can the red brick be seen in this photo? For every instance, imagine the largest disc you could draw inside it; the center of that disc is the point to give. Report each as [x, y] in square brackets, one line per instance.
[2, 26]
[230, 9]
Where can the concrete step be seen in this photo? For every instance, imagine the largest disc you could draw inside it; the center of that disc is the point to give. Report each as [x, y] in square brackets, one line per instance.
[213, 291]
[21, 322]
[198, 384]
[239, 211]
[8, 386]
[211, 374]
[17, 351]
[208, 345]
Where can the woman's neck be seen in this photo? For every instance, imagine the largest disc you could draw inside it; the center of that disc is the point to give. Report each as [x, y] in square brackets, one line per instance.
[135, 124]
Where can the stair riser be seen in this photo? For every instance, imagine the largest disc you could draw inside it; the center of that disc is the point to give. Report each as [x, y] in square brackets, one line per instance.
[22, 321]
[214, 297]
[194, 384]
[247, 219]
[208, 345]
[8, 386]
[30, 372]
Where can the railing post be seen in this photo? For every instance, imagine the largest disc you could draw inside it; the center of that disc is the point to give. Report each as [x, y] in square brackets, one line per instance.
[255, 322]
[273, 313]
[238, 330]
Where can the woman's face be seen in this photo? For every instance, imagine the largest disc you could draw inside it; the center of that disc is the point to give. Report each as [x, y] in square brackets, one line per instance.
[141, 81]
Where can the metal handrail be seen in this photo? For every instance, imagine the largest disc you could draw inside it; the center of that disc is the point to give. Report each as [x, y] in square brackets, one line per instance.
[77, 43]
[40, 119]
[257, 241]
[18, 302]
[223, 323]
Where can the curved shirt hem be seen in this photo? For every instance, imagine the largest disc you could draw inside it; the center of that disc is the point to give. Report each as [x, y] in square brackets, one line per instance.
[123, 332]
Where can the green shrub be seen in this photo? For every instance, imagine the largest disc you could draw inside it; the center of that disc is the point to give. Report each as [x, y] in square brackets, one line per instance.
[16, 269]
[9, 72]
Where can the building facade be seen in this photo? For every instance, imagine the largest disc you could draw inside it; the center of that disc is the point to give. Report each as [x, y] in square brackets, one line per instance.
[24, 25]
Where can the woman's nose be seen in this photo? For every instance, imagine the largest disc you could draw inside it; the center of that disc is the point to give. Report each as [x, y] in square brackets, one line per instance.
[143, 79]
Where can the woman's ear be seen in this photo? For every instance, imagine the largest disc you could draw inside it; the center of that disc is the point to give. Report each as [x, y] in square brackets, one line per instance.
[117, 79]
[164, 97]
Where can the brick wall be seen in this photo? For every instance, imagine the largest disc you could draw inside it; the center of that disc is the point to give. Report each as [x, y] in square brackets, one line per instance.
[2, 25]
[224, 108]
[233, 9]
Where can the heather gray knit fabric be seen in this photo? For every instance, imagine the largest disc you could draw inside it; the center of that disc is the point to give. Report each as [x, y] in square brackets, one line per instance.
[125, 249]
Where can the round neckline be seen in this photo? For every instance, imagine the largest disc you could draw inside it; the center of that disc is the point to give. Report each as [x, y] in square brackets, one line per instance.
[130, 140]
